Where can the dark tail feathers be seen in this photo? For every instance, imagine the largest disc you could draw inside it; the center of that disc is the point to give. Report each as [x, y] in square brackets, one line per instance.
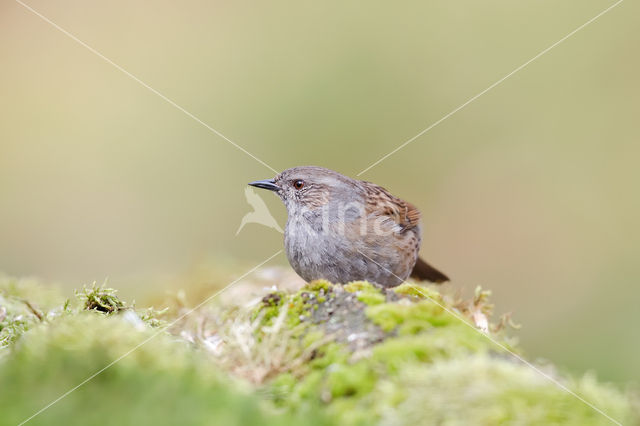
[424, 272]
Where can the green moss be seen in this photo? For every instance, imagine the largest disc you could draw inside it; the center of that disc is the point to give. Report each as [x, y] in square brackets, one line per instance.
[307, 389]
[318, 285]
[386, 317]
[356, 286]
[359, 356]
[413, 326]
[350, 379]
[24, 304]
[436, 344]
[300, 305]
[46, 297]
[270, 306]
[154, 317]
[365, 292]
[415, 316]
[368, 387]
[11, 328]
[161, 382]
[98, 298]
[297, 306]
[27, 303]
[417, 291]
[444, 376]
[312, 338]
[15, 319]
[330, 354]
[370, 298]
[501, 391]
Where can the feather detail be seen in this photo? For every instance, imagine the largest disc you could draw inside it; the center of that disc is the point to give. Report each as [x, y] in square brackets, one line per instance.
[424, 272]
[403, 213]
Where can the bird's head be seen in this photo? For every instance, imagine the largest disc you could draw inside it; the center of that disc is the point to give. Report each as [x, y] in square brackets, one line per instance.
[310, 187]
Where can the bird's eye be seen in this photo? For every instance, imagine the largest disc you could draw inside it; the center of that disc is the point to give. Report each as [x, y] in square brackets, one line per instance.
[298, 184]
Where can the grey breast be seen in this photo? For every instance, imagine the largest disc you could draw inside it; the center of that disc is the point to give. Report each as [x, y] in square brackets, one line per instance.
[317, 248]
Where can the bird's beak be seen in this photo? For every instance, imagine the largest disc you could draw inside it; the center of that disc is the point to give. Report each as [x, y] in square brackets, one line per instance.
[265, 184]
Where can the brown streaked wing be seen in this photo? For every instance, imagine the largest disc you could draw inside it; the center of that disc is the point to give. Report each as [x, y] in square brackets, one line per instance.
[401, 212]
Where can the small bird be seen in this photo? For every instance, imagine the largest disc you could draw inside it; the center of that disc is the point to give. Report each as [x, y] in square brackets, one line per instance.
[260, 213]
[341, 229]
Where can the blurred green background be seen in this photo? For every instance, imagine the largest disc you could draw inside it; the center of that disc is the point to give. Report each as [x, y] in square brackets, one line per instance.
[530, 191]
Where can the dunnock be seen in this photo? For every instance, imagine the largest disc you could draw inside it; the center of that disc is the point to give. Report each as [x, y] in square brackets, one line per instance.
[341, 229]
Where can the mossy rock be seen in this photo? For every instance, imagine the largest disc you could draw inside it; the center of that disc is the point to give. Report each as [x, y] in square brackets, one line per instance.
[156, 379]
[327, 354]
[498, 390]
[109, 364]
[418, 358]
[25, 303]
